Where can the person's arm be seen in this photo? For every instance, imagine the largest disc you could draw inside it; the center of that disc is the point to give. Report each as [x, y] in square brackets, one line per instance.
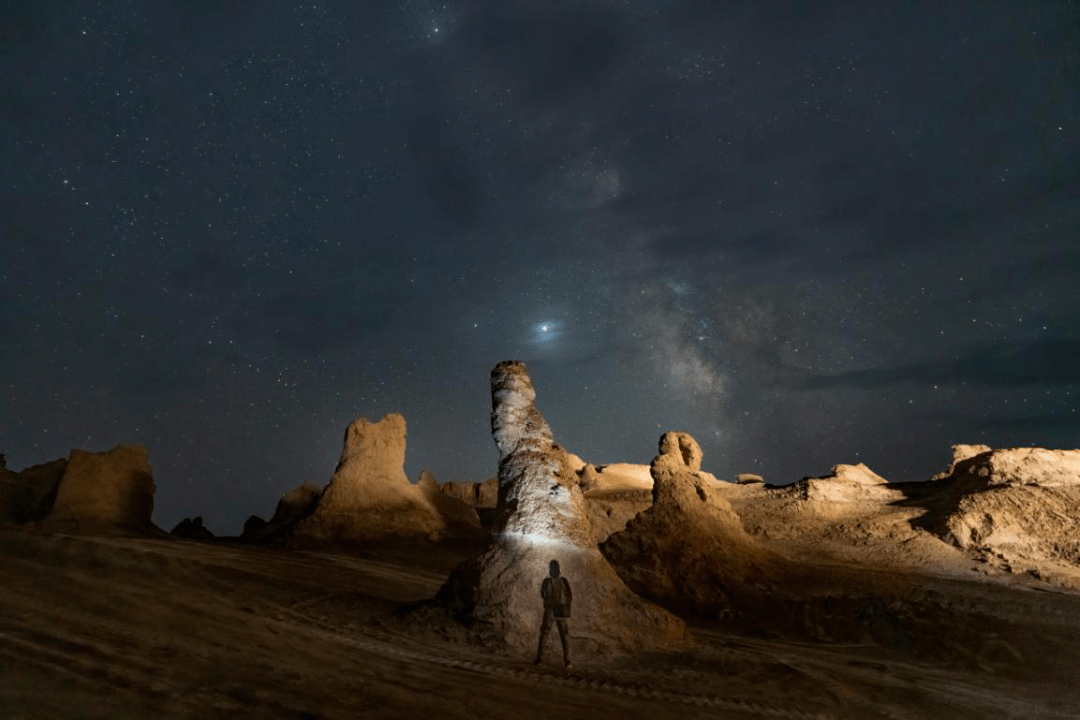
[569, 594]
[545, 588]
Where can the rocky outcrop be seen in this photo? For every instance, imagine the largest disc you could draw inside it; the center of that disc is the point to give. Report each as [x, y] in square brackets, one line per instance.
[114, 488]
[369, 498]
[253, 527]
[749, 479]
[1014, 508]
[846, 484]
[192, 529]
[614, 494]
[1016, 466]
[460, 517]
[28, 496]
[689, 551]
[481, 496]
[542, 516]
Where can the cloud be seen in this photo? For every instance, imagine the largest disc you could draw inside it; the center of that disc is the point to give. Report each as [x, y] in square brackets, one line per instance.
[1054, 361]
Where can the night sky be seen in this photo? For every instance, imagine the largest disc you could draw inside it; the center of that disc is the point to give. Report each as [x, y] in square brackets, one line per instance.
[805, 233]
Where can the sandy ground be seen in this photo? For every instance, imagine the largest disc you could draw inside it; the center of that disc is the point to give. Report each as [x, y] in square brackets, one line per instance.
[120, 627]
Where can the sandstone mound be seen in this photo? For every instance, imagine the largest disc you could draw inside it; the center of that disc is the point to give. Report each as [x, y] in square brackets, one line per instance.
[459, 516]
[114, 488]
[542, 516]
[28, 496]
[1014, 508]
[369, 498]
[192, 529]
[614, 494]
[847, 484]
[688, 551]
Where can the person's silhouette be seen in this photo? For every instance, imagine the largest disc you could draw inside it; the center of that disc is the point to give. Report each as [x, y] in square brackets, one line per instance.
[555, 590]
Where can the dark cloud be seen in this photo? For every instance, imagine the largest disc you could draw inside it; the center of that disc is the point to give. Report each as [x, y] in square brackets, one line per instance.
[1049, 361]
[550, 53]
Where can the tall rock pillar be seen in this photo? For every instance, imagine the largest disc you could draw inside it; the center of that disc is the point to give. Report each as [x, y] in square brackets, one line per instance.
[543, 517]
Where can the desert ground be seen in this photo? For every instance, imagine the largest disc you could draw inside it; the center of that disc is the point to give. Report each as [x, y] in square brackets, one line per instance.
[122, 626]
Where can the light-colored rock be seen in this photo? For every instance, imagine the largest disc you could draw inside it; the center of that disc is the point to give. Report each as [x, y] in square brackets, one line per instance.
[111, 488]
[616, 493]
[1014, 507]
[689, 551]
[672, 443]
[369, 498]
[749, 478]
[543, 517]
[961, 453]
[846, 484]
[1029, 466]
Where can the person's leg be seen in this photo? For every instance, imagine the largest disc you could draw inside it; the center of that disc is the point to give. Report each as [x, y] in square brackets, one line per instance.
[545, 626]
[564, 637]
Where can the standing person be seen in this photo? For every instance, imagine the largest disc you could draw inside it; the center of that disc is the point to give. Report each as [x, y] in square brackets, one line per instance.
[555, 590]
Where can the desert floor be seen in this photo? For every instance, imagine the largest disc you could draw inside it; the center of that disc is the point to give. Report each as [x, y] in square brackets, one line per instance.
[123, 627]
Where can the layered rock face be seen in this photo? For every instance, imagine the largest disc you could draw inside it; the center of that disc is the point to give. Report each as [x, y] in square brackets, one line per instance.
[110, 488]
[369, 497]
[1015, 508]
[542, 517]
[689, 551]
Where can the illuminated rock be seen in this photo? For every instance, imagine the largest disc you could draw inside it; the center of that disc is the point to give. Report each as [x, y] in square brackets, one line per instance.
[542, 516]
[370, 498]
[109, 488]
[689, 551]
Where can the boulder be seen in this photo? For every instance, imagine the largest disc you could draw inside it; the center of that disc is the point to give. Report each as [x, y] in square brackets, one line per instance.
[689, 551]
[749, 479]
[369, 498]
[109, 488]
[542, 516]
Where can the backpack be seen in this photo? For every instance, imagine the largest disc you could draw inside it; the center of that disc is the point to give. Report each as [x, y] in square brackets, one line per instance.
[559, 596]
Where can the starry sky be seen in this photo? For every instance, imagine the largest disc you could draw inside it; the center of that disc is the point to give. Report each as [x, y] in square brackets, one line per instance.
[805, 233]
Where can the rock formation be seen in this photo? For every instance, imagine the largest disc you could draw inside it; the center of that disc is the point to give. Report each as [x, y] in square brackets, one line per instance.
[481, 496]
[369, 498]
[114, 488]
[192, 529]
[748, 478]
[28, 496]
[614, 493]
[1014, 508]
[846, 484]
[542, 516]
[689, 551]
[459, 516]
